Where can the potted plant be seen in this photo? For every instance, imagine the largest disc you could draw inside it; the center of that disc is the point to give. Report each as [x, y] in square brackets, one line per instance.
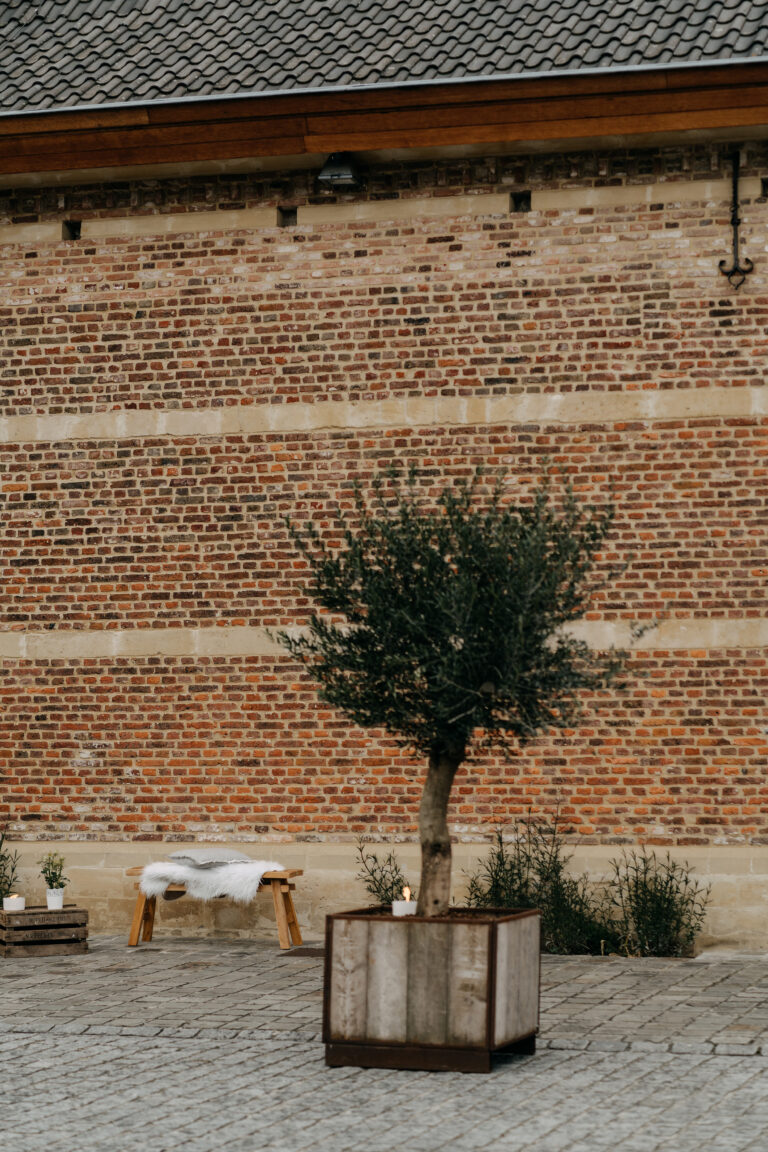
[9, 861]
[445, 622]
[52, 871]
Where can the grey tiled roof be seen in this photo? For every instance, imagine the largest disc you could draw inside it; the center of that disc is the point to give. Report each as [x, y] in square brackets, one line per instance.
[68, 52]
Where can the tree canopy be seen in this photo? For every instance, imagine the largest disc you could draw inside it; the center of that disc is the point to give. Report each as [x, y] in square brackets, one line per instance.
[446, 621]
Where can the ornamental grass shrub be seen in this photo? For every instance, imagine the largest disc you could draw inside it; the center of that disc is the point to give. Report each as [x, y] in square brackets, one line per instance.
[646, 907]
[383, 880]
[657, 907]
[529, 870]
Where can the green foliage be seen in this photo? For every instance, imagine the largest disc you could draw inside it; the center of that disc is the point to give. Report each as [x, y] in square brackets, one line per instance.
[384, 880]
[9, 862]
[52, 870]
[649, 907]
[453, 611]
[530, 871]
[659, 908]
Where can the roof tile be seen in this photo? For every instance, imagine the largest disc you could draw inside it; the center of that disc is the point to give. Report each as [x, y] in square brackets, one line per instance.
[85, 51]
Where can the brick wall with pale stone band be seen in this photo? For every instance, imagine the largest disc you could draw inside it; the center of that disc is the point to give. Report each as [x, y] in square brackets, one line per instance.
[188, 373]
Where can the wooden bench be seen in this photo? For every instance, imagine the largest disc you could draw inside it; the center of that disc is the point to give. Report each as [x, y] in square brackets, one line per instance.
[288, 931]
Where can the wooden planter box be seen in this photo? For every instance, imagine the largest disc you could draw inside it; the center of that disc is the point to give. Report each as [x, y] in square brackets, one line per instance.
[443, 993]
[38, 932]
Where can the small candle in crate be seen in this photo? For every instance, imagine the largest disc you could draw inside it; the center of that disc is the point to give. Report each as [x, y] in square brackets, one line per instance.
[406, 906]
[13, 903]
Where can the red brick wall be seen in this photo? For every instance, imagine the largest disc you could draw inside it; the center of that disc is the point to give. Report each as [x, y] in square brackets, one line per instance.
[167, 532]
[171, 532]
[156, 748]
[614, 298]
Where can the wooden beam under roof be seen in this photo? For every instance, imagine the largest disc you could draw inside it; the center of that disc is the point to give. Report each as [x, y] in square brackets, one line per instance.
[711, 101]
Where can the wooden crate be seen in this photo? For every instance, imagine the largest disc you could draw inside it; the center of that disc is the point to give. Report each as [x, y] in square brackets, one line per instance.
[38, 932]
[446, 992]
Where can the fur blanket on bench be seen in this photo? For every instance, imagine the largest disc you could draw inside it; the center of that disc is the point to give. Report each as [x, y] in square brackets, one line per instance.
[239, 880]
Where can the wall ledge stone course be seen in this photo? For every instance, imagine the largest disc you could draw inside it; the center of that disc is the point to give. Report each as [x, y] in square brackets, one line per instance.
[573, 408]
[330, 882]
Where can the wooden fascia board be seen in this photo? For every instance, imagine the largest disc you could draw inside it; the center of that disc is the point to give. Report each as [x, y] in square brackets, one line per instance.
[550, 108]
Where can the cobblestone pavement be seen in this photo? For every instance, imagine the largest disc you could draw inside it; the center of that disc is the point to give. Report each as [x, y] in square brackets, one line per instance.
[208, 1044]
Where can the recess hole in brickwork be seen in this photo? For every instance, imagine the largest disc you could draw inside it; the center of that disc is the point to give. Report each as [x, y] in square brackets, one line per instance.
[70, 229]
[520, 201]
[287, 217]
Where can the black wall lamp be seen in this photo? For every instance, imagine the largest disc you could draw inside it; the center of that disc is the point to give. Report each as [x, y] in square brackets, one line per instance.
[340, 171]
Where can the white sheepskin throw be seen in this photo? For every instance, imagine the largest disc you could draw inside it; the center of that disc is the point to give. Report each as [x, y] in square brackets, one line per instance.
[239, 881]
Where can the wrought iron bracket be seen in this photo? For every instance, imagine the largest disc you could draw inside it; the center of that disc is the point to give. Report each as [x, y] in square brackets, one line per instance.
[740, 267]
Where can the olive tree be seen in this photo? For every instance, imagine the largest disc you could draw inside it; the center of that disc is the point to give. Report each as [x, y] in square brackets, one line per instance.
[445, 622]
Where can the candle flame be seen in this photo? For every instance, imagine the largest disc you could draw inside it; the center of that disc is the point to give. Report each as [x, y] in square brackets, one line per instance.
[406, 893]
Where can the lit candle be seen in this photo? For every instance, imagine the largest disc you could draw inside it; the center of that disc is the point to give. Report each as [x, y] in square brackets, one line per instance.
[406, 906]
[13, 903]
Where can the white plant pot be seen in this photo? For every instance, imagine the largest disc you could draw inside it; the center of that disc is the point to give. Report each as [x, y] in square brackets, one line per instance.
[54, 898]
[13, 903]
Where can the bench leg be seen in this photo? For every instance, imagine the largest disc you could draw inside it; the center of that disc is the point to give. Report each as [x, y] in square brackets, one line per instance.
[138, 920]
[290, 911]
[143, 919]
[149, 919]
[283, 929]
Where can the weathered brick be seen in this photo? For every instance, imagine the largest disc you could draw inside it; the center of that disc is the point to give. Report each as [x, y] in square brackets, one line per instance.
[161, 746]
[175, 531]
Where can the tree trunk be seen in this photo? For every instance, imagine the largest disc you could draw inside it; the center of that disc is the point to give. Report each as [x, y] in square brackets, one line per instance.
[435, 886]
